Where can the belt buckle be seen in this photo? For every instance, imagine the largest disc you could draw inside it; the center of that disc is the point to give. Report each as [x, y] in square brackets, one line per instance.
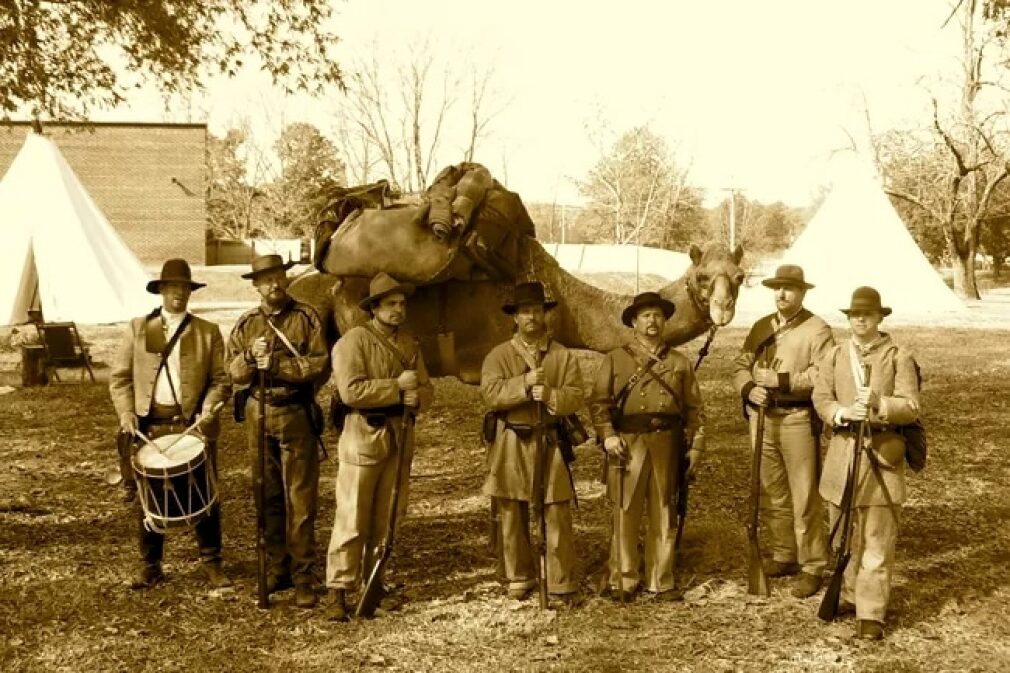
[655, 423]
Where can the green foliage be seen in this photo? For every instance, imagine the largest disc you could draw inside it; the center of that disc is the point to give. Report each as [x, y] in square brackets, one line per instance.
[66, 58]
[283, 195]
[310, 170]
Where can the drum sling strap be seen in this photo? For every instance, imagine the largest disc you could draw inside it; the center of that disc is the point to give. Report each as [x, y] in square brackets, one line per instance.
[155, 343]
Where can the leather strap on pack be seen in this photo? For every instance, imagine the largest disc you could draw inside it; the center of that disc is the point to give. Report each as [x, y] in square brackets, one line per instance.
[391, 347]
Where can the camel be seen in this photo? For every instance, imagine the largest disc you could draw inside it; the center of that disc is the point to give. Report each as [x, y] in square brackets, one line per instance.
[457, 322]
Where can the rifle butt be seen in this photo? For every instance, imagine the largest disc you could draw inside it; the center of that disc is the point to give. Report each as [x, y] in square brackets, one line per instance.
[542, 581]
[828, 609]
[371, 595]
[757, 581]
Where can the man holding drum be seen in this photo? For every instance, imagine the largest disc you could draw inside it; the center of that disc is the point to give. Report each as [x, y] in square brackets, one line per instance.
[283, 340]
[168, 373]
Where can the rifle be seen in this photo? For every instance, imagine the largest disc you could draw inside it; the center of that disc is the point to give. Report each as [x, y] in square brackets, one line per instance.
[371, 595]
[757, 581]
[828, 609]
[538, 502]
[618, 537]
[263, 599]
[681, 507]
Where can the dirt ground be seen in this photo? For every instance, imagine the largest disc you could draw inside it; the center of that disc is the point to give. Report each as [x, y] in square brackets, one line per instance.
[67, 550]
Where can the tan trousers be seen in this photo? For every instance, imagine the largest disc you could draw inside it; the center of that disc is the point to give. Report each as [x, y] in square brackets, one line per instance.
[868, 576]
[363, 501]
[659, 537]
[791, 505]
[517, 551]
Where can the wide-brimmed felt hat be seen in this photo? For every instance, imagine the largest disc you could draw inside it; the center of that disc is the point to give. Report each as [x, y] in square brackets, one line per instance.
[787, 274]
[647, 300]
[265, 263]
[867, 299]
[383, 285]
[174, 271]
[528, 293]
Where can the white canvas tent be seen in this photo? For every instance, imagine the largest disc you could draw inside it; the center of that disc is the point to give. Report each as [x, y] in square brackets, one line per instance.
[57, 250]
[857, 238]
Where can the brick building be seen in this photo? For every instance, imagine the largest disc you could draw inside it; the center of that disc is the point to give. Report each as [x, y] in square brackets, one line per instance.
[148, 179]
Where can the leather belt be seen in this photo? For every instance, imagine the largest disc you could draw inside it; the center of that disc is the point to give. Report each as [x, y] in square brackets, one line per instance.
[875, 427]
[637, 424]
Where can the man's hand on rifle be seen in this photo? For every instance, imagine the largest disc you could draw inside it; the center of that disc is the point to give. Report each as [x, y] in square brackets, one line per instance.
[766, 378]
[540, 393]
[407, 380]
[616, 447]
[410, 398]
[535, 377]
[260, 352]
[857, 412]
[128, 422]
[868, 398]
[758, 396]
[694, 453]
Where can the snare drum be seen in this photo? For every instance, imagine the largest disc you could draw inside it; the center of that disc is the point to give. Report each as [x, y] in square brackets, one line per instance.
[175, 481]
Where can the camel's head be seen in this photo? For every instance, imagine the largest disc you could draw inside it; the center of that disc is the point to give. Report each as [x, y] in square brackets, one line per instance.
[714, 280]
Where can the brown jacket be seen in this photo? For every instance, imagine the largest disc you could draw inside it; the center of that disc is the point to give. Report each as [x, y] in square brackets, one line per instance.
[201, 367]
[301, 325]
[894, 378]
[644, 397]
[510, 457]
[798, 346]
[365, 373]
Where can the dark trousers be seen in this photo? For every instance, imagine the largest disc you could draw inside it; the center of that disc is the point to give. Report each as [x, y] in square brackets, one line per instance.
[208, 529]
[291, 482]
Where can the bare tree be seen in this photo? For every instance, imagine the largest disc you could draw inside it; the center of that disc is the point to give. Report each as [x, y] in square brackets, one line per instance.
[637, 189]
[402, 115]
[958, 195]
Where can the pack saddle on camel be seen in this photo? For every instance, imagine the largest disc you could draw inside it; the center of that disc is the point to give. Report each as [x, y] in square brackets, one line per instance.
[465, 244]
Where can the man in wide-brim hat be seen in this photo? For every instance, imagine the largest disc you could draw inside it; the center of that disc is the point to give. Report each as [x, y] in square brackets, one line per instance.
[379, 374]
[776, 370]
[888, 401]
[647, 408]
[282, 342]
[528, 371]
[168, 372]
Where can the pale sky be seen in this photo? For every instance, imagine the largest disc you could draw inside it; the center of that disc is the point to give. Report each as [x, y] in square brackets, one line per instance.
[754, 93]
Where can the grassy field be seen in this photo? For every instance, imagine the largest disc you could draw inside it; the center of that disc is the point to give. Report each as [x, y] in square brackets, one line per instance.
[67, 550]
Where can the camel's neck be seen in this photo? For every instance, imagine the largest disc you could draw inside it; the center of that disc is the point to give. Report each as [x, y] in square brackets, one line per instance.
[588, 317]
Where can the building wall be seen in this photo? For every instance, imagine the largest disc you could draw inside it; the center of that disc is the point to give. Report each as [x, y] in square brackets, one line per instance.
[148, 179]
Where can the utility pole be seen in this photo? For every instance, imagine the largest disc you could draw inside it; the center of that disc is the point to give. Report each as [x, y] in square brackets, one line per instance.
[732, 216]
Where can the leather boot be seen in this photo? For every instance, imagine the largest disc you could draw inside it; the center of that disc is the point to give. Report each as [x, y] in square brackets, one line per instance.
[149, 575]
[215, 575]
[305, 596]
[336, 609]
[774, 568]
[869, 629]
[806, 585]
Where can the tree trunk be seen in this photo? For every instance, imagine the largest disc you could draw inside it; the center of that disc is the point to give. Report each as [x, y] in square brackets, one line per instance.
[963, 267]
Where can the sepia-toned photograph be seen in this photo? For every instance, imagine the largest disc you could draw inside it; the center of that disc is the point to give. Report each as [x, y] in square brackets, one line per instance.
[557, 335]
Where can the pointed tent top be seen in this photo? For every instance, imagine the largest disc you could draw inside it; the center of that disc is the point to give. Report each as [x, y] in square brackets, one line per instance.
[56, 241]
[857, 238]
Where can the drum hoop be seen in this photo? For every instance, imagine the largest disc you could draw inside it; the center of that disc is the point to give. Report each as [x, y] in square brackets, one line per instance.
[172, 471]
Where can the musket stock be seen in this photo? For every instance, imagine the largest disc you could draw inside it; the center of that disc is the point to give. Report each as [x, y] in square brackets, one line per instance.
[828, 609]
[757, 581]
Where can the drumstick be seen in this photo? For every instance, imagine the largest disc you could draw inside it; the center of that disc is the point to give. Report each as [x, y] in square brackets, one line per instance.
[147, 440]
[197, 423]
